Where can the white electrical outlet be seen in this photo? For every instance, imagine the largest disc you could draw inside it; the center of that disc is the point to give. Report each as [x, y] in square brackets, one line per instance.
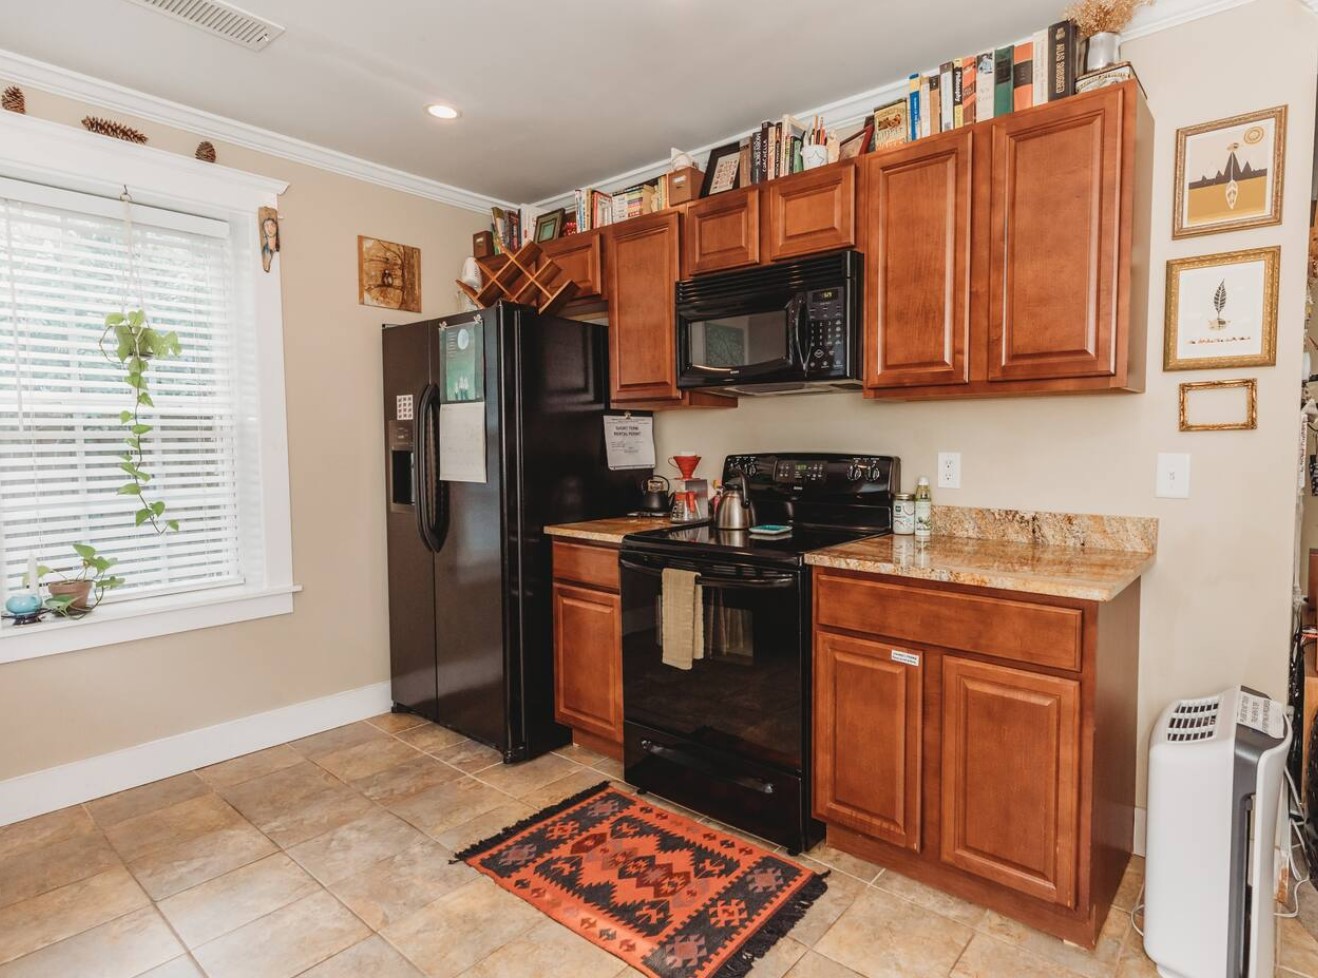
[1173, 480]
[949, 470]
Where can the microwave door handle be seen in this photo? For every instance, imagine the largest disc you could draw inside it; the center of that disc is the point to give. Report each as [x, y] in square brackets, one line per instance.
[800, 324]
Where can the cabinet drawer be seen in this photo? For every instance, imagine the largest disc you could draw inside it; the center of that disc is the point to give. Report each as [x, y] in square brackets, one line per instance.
[1040, 634]
[595, 566]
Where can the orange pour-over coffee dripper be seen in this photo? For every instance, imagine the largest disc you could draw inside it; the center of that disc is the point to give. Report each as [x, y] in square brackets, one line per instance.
[686, 464]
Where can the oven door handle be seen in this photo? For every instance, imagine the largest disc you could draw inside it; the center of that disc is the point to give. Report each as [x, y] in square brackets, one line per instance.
[705, 580]
[705, 767]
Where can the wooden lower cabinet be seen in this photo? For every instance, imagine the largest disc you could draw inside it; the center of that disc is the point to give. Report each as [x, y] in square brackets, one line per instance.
[1001, 772]
[587, 648]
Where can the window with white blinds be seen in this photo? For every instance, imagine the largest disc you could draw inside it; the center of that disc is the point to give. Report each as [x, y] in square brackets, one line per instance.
[64, 264]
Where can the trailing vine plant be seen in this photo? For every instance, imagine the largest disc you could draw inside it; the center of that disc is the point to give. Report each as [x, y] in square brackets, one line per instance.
[136, 345]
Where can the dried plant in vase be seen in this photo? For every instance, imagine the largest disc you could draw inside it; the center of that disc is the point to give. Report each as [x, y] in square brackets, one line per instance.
[1102, 21]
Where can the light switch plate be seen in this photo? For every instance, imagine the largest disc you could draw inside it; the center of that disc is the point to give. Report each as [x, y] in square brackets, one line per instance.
[1173, 480]
[949, 470]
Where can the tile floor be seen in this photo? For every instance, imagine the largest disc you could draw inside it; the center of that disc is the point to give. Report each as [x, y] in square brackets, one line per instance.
[329, 858]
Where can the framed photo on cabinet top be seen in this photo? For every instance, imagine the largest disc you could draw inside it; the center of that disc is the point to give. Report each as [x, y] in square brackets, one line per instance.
[1229, 173]
[723, 170]
[1222, 310]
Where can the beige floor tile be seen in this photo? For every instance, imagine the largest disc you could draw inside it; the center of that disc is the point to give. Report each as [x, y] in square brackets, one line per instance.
[181, 967]
[265, 798]
[462, 928]
[356, 846]
[396, 723]
[844, 862]
[1299, 949]
[284, 943]
[548, 950]
[45, 830]
[395, 888]
[483, 826]
[528, 776]
[882, 936]
[931, 898]
[152, 797]
[779, 959]
[330, 741]
[164, 872]
[318, 814]
[814, 965]
[842, 892]
[609, 767]
[249, 766]
[986, 957]
[227, 902]
[371, 958]
[446, 806]
[556, 791]
[1098, 963]
[469, 756]
[432, 738]
[33, 924]
[169, 827]
[33, 871]
[366, 759]
[1131, 884]
[1134, 963]
[582, 755]
[122, 948]
[392, 785]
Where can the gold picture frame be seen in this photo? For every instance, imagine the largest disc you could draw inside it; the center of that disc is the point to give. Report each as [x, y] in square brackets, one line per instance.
[1220, 184]
[1197, 335]
[1250, 413]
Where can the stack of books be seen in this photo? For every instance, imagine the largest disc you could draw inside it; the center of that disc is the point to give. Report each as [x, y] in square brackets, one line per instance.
[775, 151]
[1041, 68]
[507, 230]
[599, 208]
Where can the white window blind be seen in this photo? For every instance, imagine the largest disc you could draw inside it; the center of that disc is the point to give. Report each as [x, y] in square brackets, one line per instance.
[63, 267]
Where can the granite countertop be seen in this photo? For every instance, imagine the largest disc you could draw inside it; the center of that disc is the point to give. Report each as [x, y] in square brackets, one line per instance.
[608, 530]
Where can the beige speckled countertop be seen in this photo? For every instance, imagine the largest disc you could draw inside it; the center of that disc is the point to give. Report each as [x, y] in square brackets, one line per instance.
[609, 530]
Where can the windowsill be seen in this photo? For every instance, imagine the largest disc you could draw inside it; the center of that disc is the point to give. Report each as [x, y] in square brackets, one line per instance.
[145, 618]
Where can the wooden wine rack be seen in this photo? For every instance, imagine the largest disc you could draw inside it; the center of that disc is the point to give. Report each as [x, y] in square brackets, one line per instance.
[525, 276]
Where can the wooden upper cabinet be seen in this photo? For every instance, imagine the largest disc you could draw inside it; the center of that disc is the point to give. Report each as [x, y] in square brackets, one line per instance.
[917, 291]
[643, 269]
[588, 659]
[867, 739]
[580, 257]
[1011, 777]
[811, 212]
[1055, 248]
[722, 232]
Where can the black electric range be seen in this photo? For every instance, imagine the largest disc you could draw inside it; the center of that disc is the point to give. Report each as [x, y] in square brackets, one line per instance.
[728, 733]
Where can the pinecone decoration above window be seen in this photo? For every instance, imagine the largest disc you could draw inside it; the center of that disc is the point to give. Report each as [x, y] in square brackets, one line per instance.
[13, 100]
[108, 127]
[205, 151]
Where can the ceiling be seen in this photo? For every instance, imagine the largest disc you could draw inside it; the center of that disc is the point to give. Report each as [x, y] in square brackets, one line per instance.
[555, 94]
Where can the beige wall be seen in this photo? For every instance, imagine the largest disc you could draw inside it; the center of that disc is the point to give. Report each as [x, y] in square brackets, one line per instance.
[1216, 607]
[75, 705]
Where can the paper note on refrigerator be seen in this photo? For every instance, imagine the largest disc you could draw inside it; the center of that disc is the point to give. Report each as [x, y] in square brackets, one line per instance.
[462, 442]
[629, 441]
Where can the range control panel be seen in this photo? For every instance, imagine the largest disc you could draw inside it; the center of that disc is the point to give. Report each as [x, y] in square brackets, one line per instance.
[815, 472]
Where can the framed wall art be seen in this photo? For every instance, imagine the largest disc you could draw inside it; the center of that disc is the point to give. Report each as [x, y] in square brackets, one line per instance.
[1229, 173]
[549, 226]
[388, 274]
[1222, 310]
[1219, 405]
[723, 170]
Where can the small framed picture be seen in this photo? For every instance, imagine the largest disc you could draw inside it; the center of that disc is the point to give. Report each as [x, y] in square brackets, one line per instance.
[722, 170]
[1229, 173]
[1222, 310]
[548, 226]
[857, 144]
[1219, 405]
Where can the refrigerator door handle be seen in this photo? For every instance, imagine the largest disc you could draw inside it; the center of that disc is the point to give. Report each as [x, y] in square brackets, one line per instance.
[431, 529]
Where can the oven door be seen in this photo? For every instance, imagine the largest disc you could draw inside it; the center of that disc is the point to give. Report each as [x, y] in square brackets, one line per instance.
[743, 694]
[754, 338]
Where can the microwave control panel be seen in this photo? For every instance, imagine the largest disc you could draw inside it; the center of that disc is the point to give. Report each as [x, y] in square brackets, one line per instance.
[826, 346]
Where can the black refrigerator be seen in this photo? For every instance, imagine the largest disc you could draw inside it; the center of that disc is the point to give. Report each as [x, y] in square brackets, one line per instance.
[494, 429]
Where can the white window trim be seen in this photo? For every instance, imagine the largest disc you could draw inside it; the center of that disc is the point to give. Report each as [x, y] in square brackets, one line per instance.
[56, 155]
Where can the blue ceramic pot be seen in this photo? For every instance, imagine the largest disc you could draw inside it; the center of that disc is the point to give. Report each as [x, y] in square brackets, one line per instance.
[23, 604]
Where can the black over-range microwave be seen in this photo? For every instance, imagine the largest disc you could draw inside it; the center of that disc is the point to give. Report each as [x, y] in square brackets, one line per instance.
[788, 328]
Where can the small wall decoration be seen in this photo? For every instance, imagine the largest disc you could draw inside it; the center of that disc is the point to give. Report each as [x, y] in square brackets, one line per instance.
[13, 101]
[1222, 310]
[205, 151]
[548, 226]
[1229, 173]
[268, 218]
[116, 130]
[1219, 405]
[388, 274]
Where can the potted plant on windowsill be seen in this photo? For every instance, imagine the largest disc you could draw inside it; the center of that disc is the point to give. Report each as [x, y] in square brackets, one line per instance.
[77, 593]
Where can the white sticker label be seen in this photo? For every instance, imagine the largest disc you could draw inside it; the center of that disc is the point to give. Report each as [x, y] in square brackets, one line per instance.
[403, 407]
[907, 658]
[1262, 714]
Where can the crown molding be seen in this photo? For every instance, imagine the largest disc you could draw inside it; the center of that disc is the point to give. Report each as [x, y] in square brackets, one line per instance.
[1161, 16]
[71, 84]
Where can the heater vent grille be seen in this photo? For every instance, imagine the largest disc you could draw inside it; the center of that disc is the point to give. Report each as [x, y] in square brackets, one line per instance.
[218, 18]
[1194, 720]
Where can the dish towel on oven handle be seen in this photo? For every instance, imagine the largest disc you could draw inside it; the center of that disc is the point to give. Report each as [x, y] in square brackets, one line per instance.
[683, 618]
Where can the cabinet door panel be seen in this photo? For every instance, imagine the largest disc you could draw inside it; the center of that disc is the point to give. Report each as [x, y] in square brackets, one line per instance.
[867, 739]
[1055, 240]
[1011, 777]
[811, 212]
[579, 257]
[722, 232]
[642, 272]
[918, 275]
[588, 660]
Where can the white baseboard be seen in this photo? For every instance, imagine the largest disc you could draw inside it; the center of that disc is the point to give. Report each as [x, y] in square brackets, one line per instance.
[1141, 820]
[69, 784]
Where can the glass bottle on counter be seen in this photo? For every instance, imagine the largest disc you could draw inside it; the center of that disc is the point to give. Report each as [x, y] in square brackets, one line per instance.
[924, 509]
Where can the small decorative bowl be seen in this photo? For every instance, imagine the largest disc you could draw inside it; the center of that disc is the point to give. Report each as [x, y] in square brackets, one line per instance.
[23, 604]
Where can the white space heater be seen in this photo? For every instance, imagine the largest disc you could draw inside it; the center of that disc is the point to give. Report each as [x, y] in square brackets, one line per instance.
[1215, 775]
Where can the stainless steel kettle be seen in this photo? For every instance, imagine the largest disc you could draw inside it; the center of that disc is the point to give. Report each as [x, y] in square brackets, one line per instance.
[735, 512]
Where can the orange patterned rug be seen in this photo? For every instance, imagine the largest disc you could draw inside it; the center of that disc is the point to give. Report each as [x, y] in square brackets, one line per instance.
[669, 896]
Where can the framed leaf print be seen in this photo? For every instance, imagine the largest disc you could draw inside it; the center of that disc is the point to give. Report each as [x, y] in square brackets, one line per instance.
[1222, 310]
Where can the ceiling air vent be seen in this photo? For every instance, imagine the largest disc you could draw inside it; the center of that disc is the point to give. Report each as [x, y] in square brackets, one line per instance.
[221, 19]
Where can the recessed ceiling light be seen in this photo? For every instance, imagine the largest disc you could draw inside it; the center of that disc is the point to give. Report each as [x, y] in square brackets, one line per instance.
[440, 111]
